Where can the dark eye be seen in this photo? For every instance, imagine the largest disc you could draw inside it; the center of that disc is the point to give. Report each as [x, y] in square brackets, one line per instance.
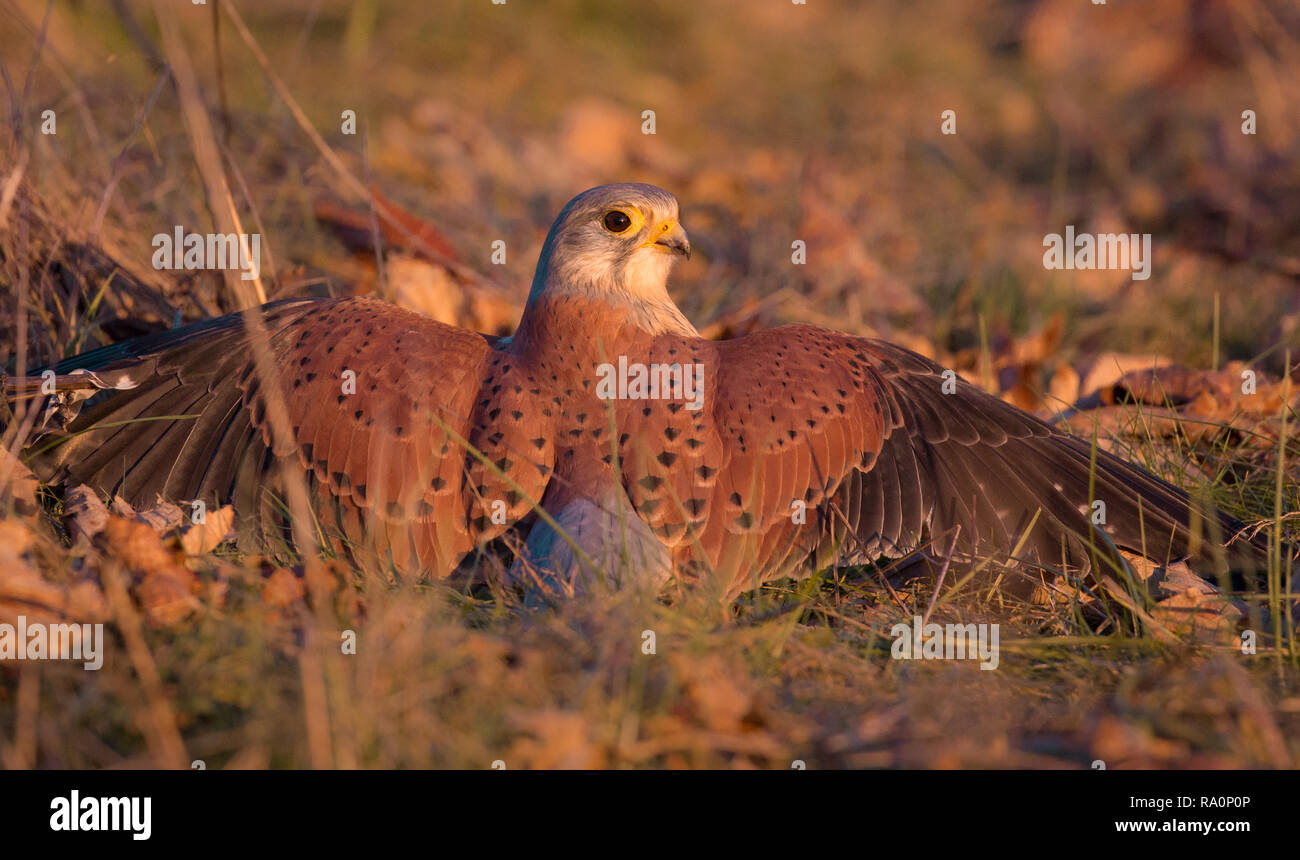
[616, 221]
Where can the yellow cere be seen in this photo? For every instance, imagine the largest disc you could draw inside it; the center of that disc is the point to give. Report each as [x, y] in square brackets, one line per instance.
[662, 229]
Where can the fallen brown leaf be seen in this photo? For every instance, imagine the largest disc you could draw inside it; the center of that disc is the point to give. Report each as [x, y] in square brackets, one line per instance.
[164, 587]
[84, 512]
[204, 537]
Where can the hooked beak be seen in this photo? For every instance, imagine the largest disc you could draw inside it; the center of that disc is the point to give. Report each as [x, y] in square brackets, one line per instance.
[675, 241]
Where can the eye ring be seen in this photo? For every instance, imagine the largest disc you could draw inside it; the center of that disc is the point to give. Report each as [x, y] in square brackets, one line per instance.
[616, 221]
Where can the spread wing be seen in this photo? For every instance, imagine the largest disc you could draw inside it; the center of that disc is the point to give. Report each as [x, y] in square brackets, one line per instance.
[383, 406]
[817, 445]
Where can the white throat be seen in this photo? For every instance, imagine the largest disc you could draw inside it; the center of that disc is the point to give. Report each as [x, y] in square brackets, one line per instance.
[640, 288]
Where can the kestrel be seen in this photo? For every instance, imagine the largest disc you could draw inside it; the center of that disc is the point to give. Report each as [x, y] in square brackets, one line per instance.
[632, 446]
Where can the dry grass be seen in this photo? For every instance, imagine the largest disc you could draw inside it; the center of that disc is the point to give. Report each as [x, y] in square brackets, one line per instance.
[814, 122]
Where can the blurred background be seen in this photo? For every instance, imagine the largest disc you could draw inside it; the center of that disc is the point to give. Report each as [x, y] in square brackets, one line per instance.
[775, 122]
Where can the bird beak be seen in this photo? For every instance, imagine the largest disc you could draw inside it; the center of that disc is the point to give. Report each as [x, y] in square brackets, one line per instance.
[675, 240]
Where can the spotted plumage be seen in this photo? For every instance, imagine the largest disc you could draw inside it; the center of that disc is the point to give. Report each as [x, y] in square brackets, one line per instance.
[419, 441]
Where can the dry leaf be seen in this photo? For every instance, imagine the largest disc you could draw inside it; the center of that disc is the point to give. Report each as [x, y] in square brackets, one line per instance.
[25, 592]
[1106, 369]
[83, 512]
[162, 517]
[283, 589]
[200, 538]
[1064, 388]
[17, 484]
[1187, 605]
[163, 585]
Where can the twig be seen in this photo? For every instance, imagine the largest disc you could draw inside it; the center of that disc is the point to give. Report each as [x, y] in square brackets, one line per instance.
[165, 737]
[244, 293]
[354, 186]
[943, 571]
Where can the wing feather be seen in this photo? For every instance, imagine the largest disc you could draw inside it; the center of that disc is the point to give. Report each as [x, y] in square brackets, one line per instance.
[872, 436]
[370, 391]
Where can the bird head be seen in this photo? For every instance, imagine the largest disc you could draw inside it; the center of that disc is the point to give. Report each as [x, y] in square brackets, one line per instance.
[617, 243]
